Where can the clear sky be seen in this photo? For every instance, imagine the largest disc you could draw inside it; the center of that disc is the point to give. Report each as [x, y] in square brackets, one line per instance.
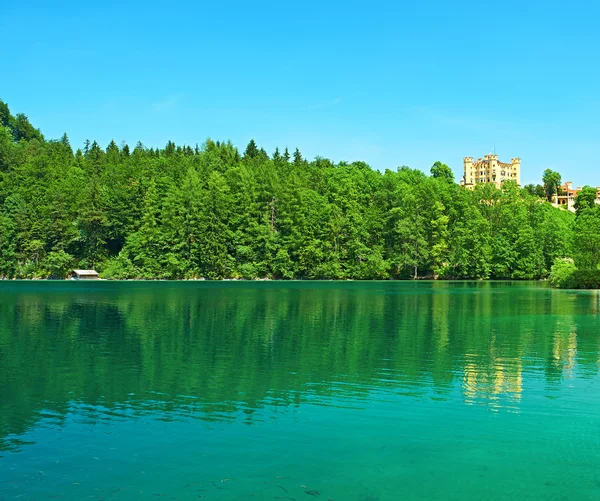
[390, 83]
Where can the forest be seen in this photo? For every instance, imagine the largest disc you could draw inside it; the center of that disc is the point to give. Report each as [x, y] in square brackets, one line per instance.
[214, 212]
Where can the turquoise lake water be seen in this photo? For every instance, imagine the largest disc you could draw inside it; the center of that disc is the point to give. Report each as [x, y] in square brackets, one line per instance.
[296, 391]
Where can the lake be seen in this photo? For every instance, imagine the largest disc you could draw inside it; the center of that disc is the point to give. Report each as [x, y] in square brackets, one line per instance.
[298, 390]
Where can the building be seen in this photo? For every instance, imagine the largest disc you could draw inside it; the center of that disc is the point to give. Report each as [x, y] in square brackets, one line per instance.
[490, 170]
[84, 275]
[567, 194]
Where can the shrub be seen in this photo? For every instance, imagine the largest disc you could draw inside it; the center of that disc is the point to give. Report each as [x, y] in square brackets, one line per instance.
[248, 271]
[561, 272]
[58, 264]
[119, 268]
[584, 279]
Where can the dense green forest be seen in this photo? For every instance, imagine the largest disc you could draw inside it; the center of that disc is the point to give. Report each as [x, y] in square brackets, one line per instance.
[214, 212]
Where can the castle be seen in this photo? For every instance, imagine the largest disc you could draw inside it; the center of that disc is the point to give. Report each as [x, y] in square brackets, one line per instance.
[490, 170]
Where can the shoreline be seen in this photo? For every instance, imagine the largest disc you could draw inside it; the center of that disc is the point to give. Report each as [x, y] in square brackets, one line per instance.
[277, 280]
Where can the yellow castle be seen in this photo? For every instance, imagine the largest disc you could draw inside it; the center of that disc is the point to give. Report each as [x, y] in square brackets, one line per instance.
[489, 170]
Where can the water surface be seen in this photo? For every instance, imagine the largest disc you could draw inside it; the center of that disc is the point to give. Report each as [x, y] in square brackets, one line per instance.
[321, 390]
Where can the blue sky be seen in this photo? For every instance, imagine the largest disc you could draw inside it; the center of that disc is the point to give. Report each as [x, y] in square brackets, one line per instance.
[390, 83]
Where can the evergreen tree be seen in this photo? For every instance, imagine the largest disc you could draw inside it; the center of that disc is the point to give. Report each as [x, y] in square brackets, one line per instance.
[297, 157]
[215, 235]
[64, 140]
[251, 150]
[5, 116]
[23, 130]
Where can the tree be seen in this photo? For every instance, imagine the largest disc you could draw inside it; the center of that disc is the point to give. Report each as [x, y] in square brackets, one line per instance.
[8, 251]
[409, 235]
[64, 140]
[146, 247]
[551, 180]
[23, 130]
[252, 150]
[536, 190]
[7, 149]
[58, 264]
[215, 234]
[586, 199]
[5, 116]
[553, 232]
[277, 156]
[438, 238]
[470, 245]
[561, 272]
[587, 239]
[442, 171]
[297, 157]
[184, 222]
[93, 225]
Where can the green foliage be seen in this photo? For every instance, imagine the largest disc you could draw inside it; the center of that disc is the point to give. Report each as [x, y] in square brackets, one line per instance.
[5, 116]
[587, 239]
[551, 180]
[582, 272]
[58, 264]
[209, 212]
[23, 130]
[584, 279]
[442, 171]
[8, 251]
[251, 150]
[565, 275]
[119, 268]
[561, 272]
[536, 190]
[586, 199]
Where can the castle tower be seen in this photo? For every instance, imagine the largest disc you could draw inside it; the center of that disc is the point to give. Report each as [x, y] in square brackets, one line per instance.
[516, 167]
[467, 179]
[491, 168]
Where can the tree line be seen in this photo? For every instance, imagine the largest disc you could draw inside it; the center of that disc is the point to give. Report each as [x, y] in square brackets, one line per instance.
[214, 212]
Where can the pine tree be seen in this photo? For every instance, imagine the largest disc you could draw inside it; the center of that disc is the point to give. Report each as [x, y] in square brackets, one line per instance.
[297, 157]
[5, 116]
[251, 150]
[64, 140]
